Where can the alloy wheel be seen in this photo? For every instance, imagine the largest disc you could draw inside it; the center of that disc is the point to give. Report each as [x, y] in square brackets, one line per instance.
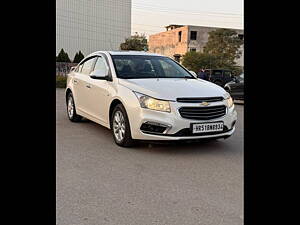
[70, 107]
[119, 126]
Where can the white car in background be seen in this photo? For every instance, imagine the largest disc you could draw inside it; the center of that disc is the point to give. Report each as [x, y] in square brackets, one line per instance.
[143, 96]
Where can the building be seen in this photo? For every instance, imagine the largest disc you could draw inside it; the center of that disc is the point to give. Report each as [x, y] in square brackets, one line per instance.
[91, 25]
[179, 39]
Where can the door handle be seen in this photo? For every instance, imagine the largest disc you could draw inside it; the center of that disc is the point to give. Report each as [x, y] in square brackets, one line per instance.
[75, 81]
[88, 86]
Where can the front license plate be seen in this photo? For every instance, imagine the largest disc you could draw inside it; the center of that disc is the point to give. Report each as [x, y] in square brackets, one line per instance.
[207, 127]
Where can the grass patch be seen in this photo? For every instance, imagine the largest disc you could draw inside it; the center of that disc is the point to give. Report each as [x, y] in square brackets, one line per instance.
[61, 81]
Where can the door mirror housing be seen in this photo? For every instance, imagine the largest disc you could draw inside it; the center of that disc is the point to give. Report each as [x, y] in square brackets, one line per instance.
[100, 75]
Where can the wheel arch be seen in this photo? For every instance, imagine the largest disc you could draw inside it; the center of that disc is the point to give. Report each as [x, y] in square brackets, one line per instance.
[113, 104]
[227, 88]
[68, 91]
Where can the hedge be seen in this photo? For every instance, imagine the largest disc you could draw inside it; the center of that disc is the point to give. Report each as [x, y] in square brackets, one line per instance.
[61, 81]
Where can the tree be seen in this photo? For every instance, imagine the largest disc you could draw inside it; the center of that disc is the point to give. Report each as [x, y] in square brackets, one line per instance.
[135, 42]
[196, 60]
[78, 57]
[224, 44]
[62, 56]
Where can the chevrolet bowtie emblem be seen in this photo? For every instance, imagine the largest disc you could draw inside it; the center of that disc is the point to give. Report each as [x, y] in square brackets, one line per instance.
[204, 104]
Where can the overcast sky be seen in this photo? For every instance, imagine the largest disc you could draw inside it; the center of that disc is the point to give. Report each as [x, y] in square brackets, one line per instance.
[150, 16]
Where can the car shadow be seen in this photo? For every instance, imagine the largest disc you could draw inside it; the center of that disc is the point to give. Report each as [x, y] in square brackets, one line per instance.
[183, 147]
[199, 146]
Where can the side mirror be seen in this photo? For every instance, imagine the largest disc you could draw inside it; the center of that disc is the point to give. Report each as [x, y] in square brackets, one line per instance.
[193, 73]
[99, 74]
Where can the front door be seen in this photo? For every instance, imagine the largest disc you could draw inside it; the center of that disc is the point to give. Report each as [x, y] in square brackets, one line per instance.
[98, 94]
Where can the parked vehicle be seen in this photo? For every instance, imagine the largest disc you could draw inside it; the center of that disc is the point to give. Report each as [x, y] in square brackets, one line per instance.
[219, 76]
[143, 96]
[236, 87]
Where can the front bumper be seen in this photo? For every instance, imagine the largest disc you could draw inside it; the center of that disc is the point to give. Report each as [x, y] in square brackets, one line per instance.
[178, 128]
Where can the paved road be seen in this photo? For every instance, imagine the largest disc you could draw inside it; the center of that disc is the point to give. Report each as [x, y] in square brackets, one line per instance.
[99, 183]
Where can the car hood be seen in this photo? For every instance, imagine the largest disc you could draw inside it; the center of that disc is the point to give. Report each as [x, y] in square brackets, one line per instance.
[172, 88]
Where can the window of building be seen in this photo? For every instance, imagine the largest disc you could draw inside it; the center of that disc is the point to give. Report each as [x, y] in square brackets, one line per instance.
[179, 36]
[192, 49]
[193, 35]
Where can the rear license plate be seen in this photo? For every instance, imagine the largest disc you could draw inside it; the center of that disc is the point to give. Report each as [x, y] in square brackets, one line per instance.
[207, 127]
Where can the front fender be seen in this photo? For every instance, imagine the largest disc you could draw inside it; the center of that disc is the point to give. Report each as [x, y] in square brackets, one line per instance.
[130, 102]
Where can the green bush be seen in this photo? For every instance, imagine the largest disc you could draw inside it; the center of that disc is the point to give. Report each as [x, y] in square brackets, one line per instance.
[61, 81]
[196, 60]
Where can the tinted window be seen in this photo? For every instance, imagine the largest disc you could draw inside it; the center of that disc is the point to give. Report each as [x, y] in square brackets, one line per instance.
[227, 73]
[134, 67]
[241, 78]
[87, 66]
[217, 72]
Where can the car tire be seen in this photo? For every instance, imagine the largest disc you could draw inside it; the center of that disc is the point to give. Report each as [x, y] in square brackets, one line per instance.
[120, 127]
[71, 109]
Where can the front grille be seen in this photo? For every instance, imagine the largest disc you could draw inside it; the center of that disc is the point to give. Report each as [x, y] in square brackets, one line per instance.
[203, 113]
[200, 100]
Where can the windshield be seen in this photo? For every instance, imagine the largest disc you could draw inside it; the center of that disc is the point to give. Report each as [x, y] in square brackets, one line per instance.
[140, 67]
[241, 77]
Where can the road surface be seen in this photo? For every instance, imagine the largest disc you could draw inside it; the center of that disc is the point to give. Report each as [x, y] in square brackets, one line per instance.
[98, 182]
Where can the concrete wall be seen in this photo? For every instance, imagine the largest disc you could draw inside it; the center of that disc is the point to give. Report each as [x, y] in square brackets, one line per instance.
[202, 37]
[91, 25]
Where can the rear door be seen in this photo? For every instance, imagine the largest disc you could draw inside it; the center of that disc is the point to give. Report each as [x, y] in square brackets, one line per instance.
[77, 86]
[82, 87]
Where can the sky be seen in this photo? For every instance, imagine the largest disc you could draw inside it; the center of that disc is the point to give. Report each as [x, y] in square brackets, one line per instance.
[151, 16]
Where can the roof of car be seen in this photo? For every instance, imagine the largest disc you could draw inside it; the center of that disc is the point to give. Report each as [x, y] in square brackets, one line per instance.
[126, 53]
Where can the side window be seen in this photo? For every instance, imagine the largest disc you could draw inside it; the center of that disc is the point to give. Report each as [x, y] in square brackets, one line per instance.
[100, 64]
[78, 69]
[87, 66]
[227, 74]
[217, 73]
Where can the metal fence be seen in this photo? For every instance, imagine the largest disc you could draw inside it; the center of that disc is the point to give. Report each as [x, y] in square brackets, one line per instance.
[62, 68]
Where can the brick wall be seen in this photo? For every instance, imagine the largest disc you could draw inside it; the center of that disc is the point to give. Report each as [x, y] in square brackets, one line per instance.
[167, 43]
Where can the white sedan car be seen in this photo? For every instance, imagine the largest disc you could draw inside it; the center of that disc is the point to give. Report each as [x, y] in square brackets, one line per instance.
[143, 96]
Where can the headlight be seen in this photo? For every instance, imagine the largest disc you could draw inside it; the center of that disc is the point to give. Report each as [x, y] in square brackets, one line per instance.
[152, 103]
[229, 100]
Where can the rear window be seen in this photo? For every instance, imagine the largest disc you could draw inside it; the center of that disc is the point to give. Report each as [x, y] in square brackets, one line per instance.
[217, 72]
